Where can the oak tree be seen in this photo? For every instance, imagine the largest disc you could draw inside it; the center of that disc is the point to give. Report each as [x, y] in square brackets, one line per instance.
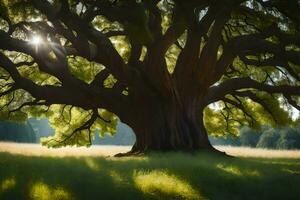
[173, 70]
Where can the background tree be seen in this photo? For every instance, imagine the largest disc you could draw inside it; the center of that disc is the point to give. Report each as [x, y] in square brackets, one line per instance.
[170, 69]
[268, 139]
[249, 137]
[17, 132]
[281, 138]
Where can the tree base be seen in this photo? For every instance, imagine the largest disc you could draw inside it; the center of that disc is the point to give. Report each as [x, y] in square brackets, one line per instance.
[129, 154]
[135, 153]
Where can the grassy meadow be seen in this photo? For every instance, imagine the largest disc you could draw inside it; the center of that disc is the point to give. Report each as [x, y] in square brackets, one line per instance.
[34, 172]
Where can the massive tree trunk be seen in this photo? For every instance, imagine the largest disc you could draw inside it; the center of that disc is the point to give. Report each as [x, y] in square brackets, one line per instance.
[168, 126]
[168, 133]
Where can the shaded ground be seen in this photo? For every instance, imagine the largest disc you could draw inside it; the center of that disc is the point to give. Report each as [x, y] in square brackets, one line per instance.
[157, 176]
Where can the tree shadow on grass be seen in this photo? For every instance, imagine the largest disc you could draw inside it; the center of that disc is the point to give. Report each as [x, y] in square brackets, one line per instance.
[157, 176]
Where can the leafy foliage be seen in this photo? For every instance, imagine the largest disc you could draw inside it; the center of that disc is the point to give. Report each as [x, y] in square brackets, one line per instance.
[66, 120]
[234, 62]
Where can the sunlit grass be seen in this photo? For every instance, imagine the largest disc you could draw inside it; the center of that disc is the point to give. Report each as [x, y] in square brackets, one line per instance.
[92, 164]
[259, 153]
[160, 183]
[233, 170]
[39, 150]
[296, 172]
[7, 184]
[178, 176]
[41, 191]
[117, 177]
[109, 150]
[230, 169]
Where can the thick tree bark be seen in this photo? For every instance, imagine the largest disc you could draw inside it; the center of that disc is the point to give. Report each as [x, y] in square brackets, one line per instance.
[165, 136]
[168, 126]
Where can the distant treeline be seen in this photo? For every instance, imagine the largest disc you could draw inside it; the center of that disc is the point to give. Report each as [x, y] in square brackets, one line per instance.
[34, 129]
[17, 132]
[267, 137]
[28, 132]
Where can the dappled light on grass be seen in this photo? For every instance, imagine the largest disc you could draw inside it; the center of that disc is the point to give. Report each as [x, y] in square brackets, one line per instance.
[41, 191]
[92, 164]
[230, 169]
[176, 176]
[161, 183]
[117, 177]
[7, 184]
[236, 171]
[295, 172]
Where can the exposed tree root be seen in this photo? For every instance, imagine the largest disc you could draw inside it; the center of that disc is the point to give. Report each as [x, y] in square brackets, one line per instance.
[142, 153]
[129, 154]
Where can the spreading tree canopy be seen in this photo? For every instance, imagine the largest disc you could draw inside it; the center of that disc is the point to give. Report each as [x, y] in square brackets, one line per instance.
[173, 70]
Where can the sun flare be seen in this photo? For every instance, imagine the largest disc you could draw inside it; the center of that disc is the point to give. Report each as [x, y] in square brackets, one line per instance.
[36, 40]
